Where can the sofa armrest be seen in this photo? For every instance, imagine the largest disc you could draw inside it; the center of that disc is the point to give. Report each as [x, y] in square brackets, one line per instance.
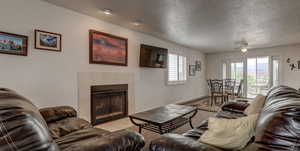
[176, 142]
[237, 107]
[123, 140]
[52, 114]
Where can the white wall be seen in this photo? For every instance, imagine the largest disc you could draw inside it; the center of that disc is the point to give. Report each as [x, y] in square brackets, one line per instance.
[50, 78]
[287, 77]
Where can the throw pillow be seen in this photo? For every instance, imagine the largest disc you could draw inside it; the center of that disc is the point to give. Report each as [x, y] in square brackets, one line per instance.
[255, 106]
[230, 134]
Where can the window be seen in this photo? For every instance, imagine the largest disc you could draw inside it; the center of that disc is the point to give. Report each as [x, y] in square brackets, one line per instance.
[258, 76]
[237, 71]
[176, 69]
[275, 71]
[259, 73]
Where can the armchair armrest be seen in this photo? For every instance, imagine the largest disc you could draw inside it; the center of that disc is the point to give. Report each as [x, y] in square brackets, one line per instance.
[176, 142]
[52, 114]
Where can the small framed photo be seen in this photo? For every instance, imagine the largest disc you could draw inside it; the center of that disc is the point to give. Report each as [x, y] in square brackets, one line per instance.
[192, 70]
[47, 40]
[108, 49]
[13, 44]
[198, 65]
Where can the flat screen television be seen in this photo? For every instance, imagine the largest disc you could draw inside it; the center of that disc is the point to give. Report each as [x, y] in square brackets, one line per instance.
[153, 57]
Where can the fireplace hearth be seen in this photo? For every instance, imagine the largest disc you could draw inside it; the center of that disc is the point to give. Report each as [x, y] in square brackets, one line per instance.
[108, 102]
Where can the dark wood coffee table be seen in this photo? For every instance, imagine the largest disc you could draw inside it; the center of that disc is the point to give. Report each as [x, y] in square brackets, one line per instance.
[164, 119]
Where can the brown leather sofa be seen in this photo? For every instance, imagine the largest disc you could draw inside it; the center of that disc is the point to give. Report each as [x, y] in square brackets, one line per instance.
[278, 126]
[24, 128]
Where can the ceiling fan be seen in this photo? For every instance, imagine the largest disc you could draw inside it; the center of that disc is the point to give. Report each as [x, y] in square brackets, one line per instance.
[242, 45]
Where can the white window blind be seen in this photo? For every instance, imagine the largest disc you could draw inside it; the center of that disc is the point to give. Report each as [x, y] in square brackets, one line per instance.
[176, 68]
[173, 67]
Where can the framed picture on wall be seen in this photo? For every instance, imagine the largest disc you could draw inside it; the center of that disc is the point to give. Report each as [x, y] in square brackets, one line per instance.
[47, 40]
[108, 49]
[198, 65]
[192, 70]
[13, 44]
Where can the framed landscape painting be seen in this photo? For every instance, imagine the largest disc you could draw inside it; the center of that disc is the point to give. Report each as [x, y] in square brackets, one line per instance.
[13, 44]
[108, 49]
[47, 40]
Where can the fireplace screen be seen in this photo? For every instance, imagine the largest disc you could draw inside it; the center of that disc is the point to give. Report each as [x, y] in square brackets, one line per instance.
[108, 102]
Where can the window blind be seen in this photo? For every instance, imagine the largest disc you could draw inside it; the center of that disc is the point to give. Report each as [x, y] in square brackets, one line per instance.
[176, 68]
[173, 67]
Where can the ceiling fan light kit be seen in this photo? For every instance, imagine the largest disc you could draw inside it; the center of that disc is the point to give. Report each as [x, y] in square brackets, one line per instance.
[244, 50]
[244, 46]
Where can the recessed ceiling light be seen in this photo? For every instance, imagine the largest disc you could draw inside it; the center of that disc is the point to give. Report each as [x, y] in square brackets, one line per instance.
[137, 23]
[107, 11]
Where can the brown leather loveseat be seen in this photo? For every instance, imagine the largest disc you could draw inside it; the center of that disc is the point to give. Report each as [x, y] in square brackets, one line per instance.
[23, 128]
[277, 129]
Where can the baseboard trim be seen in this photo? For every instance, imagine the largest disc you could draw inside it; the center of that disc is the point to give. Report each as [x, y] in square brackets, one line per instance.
[192, 101]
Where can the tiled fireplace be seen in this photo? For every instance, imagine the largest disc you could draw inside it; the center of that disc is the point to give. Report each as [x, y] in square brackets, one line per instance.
[108, 102]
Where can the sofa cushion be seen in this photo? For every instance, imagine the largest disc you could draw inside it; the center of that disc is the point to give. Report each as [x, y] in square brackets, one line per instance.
[256, 105]
[230, 133]
[197, 132]
[79, 135]
[68, 125]
[52, 114]
[93, 139]
[176, 142]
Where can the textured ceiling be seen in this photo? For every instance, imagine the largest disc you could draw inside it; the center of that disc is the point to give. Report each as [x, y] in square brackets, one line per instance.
[207, 25]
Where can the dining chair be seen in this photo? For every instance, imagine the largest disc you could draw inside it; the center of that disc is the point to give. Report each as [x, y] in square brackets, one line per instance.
[209, 93]
[229, 87]
[239, 92]
[209, 87]
[208, 83]
[217, 91]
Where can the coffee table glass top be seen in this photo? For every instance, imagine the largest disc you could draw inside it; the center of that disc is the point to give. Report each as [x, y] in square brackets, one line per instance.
[164, 114]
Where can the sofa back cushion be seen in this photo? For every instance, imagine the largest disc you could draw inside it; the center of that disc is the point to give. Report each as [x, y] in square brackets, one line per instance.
[278, 127]
[22, 127]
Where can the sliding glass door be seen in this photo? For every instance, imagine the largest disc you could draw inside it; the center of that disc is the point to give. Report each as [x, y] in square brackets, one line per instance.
[275, 71]
[258, 76]
[237, 71]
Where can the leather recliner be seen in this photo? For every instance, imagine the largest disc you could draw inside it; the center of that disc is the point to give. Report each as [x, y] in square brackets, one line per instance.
[278, 126]
[24, 128]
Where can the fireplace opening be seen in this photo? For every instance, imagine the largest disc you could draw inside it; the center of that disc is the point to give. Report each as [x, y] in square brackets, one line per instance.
[108, 102]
